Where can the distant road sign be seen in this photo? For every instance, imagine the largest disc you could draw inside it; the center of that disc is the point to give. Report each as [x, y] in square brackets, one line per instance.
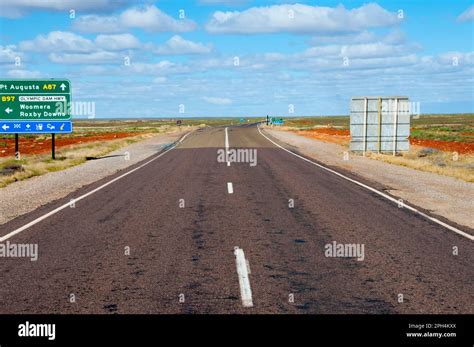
[35, 106]
[277, 121]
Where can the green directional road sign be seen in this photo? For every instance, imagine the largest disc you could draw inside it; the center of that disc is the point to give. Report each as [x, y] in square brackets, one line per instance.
[30, 100]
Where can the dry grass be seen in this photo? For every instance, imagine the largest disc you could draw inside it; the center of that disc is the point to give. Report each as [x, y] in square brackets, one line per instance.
[457, 129]
[36, 165]
[443, 163]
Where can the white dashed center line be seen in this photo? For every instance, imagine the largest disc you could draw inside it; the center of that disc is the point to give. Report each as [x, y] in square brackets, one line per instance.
[227, 146]
[244, 281]
[230, 188]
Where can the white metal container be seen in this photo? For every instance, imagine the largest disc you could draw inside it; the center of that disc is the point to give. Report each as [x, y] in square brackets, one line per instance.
[380, 124]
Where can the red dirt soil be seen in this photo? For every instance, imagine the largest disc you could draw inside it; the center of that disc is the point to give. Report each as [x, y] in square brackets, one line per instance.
[36, 146]
[333, 135]
[446, 146]
[342, 136]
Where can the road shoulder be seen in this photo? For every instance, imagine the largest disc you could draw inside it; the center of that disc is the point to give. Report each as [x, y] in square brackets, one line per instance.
[441, 195]
[25, 196]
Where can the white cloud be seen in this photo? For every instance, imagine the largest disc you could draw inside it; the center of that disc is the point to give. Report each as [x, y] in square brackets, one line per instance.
[459, 58]
[149, 18]
[117, 42]
[373, 50]
[372, 55]
[364, 45]
[8, 54]
[66, 42]
[58, 41]
[70, 48]
[363, 64]
[211, 63]
[393, 37]
[217, 101]
[18, 8]
[361, 37]
[93, 70]
[223, 2]
[178, 45]
[97, 24]
[301, 19]
[467, 16]
[323, 51]
[161, 68]
[274, 57]
[160, 80]
[101, 57]
[21, 73]
[331, 84]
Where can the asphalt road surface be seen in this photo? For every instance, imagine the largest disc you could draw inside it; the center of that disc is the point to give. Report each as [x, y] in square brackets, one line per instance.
[183, 259]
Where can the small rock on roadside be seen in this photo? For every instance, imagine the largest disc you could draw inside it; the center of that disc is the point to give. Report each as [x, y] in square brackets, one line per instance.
[426, 151]
[11, 169]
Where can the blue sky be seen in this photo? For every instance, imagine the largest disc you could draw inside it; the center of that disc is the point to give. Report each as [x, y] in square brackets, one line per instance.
[243, 58]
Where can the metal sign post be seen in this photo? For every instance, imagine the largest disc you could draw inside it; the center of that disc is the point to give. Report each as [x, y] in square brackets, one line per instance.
[53, 147]
[17, 148]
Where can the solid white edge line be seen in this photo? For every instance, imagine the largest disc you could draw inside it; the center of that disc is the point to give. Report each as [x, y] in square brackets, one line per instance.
[62, 207]
[185, 135]
[230, 188]
[244, 281]
[388, 197]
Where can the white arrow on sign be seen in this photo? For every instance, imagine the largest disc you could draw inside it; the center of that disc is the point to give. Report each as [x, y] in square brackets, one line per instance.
[62, 86]
[8, 110]
[5, 127]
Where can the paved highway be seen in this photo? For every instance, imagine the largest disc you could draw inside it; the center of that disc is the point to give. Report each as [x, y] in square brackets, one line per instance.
[281, 213]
